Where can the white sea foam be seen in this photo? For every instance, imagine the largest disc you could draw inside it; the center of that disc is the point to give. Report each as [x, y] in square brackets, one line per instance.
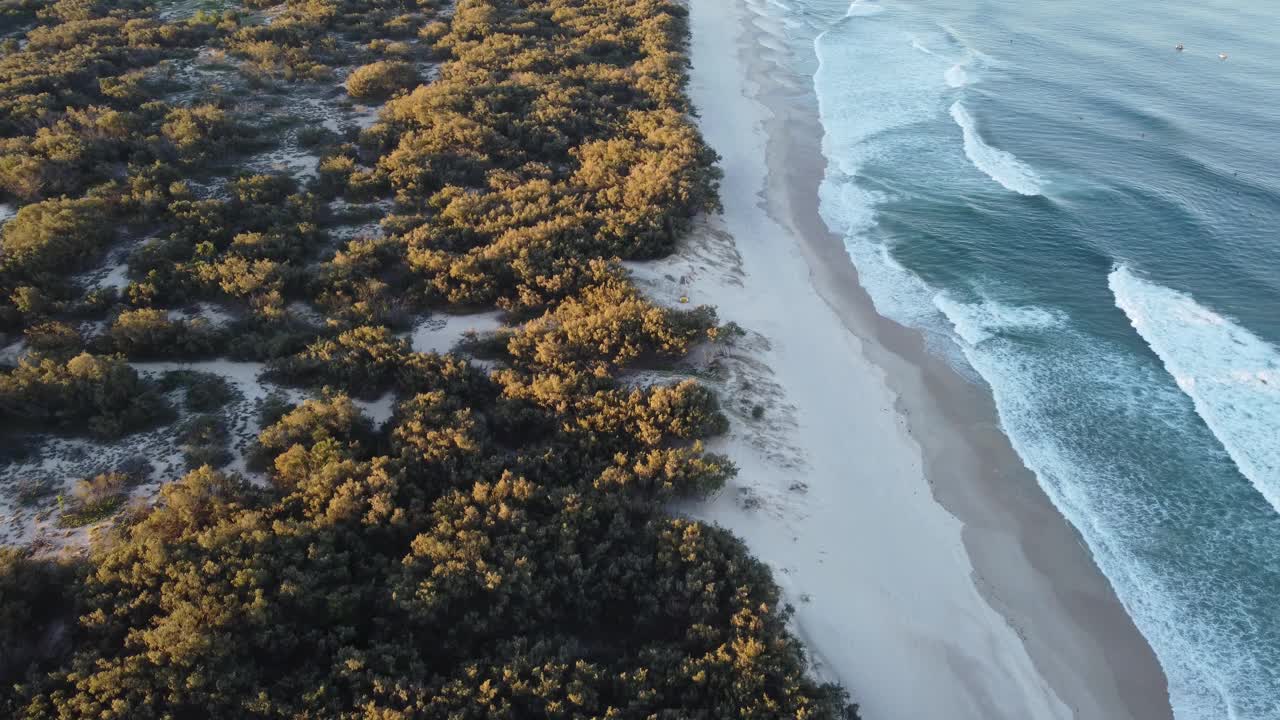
[859, 8]
[897, 293]
[861, 106]
[960, 54]
[957, 75]
[917, 45]
[1231, 375]
[1001, 166]
[1050, 380]
[982, 58]
[978, 323]
[1198, 652]
[863, 111]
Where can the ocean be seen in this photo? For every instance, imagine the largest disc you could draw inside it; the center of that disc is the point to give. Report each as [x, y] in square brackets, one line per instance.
[1085, 219]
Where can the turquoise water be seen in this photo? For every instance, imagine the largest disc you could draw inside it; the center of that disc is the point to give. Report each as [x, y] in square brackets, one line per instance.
[1085, 219]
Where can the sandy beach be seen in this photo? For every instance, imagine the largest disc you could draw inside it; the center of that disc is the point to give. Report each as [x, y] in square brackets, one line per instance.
[929, 573]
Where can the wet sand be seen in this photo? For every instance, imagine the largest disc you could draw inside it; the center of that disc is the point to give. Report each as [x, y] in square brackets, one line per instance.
[930, 573]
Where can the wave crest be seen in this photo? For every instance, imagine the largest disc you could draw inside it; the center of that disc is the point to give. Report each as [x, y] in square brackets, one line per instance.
[1231, 375]
[1003, 167]
[977, 323]
[859, 8]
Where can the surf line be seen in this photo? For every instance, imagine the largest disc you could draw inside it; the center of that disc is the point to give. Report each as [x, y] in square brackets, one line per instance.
[1003, 167]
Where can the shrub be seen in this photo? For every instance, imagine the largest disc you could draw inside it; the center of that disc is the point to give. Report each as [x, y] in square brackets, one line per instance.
[208, 393]
[93, 491]
[82, 515]
[503, 548]
[272, 408]
[204, 441]
[198, 456]
[54, 339]
[380, 80]
[57, 235]
[315, 136]
[88, 392]
[95, 499]
[148, 333]
[331, 419]
[200, 132]
[364, 359]
[30, 491]
[137, 468]
[36, 598]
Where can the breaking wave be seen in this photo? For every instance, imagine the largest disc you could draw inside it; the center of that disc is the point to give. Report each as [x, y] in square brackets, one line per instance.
[1231, 375]
[1001, 166]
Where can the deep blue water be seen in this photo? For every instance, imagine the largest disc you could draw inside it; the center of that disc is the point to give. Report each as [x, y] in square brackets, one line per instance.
[1088, 221]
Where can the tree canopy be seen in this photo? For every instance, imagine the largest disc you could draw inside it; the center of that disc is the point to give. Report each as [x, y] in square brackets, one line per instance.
[501, 545]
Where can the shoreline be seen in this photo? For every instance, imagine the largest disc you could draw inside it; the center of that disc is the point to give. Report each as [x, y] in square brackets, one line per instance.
[1050, 638]
[981, 461]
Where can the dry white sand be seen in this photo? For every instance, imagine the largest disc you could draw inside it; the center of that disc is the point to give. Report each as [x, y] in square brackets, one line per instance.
[242, 413]
[893, 593]
[441, 332]
[11, 353]
[378, 411]
[840, 483]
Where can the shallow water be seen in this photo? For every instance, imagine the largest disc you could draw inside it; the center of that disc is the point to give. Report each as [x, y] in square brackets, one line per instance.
[1085, 219]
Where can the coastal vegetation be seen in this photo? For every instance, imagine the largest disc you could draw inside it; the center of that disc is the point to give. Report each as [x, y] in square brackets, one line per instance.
[500, 546]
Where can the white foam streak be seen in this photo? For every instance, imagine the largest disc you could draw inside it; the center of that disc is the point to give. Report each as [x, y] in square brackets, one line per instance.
[976, 324]
[1028, 389]
[983, 58]
[1003, 167]
[1231, 375]
[871, 86]
[957, 76]
[859, 8]
[915, 43]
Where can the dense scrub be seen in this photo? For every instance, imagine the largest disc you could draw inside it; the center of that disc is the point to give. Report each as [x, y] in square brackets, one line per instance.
[499, 547]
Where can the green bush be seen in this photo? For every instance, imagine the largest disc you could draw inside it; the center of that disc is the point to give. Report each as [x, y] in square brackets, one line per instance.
[37, 612]
[147, 333]
[101, 395]
[501, 546]
[95, 499]
[57, 235]
[204, 440]
[380, 80]
[55, 339]
[207, 392]
[88, 514]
